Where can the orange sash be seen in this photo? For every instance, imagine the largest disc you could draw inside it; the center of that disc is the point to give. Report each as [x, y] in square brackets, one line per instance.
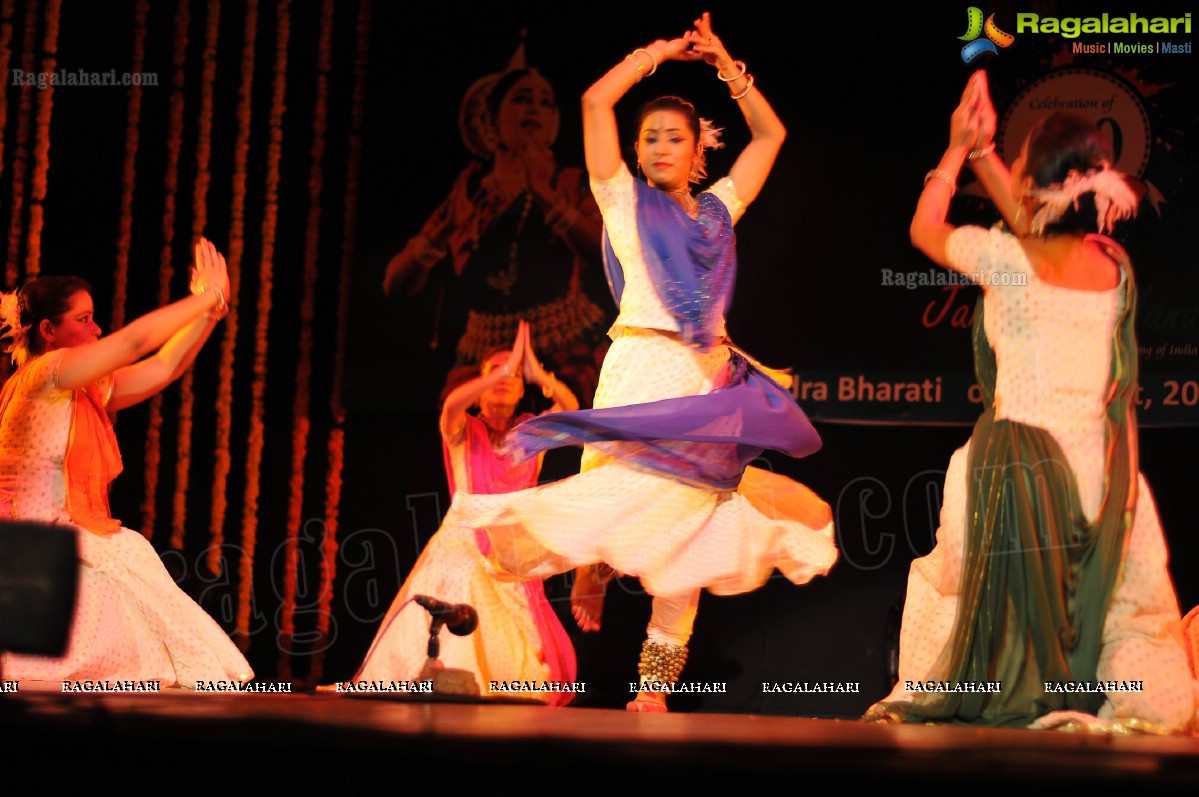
[93, 460]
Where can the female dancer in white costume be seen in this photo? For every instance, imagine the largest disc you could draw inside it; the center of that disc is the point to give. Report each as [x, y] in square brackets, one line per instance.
[1049, 575]
[665, 493]
[58, 454]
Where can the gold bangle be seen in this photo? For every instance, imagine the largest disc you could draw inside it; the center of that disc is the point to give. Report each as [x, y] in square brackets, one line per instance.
[220, 308]
[653, 61]
[639, 66]
[749, 84]
[636, 65]
[975, 154]
[547, 389]
[953, 188]
[734, 77]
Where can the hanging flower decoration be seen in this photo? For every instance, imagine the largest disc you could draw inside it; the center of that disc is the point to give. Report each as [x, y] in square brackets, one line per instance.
[6, 12]
[21, 153]
[120, 279]
[166, 268]
[301, 425]
[224, 398]
[187, 398]
[262, 327]
[336, 446]
[41, 146]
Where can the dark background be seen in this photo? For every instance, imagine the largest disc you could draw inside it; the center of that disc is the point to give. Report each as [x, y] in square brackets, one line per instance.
[866, 95]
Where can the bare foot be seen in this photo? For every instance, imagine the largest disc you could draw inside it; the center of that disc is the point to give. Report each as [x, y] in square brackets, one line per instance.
[648, 702]
[587, 596]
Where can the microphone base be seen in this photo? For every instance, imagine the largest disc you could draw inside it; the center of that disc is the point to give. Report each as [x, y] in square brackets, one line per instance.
[450, 685]
[476, 700]
[449, 681]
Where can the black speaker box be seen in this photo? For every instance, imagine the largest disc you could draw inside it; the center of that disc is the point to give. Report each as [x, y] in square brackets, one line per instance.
[39, 566]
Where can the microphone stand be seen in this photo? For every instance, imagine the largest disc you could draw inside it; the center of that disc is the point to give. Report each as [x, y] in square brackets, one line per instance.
[433, 664]
[445, 681]
[434, 649]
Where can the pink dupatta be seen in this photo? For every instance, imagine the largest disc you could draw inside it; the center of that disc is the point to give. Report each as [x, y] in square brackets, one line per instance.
[489, 473]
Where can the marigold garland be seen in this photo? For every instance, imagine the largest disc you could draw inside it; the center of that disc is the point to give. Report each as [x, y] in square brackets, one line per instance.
[336, 447]
[120, 279]
[41, 147]
[6, 11]
[224, 398]
[301, 424]
[166, 269]
[187, 397]
[262, 328]
[21, 153]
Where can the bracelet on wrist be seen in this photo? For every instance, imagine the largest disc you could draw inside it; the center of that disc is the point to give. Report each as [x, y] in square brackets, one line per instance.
[749, 84]
[982, 152]
[639, 66]
[547, 387]
[739, 64]
[218, 310]
[943, 177]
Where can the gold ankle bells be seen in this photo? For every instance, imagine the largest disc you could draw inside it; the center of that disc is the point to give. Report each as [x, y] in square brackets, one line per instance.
[661, 663]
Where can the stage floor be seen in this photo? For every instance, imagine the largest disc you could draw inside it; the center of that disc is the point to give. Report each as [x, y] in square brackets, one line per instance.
[314, 742]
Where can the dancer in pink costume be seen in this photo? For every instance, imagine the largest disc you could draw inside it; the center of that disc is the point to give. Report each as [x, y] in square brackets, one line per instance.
[519, 638]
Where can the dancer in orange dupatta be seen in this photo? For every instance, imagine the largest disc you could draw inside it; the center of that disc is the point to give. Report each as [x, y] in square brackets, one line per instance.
[58, 454]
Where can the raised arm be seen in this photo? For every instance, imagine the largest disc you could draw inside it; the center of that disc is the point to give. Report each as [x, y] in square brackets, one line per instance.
[408, 271]
[138, 382]
[601, 141]
[85, 364]
[453, 411]
[929, 229]
[753, 165]
[564, 199]
[988, 167]
[562, 396]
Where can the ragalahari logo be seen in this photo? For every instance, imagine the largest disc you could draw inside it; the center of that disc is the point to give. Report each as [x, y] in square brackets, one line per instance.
[995, 38]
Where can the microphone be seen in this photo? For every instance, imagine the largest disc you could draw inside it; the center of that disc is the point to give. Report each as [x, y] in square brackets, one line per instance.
[459, 618]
